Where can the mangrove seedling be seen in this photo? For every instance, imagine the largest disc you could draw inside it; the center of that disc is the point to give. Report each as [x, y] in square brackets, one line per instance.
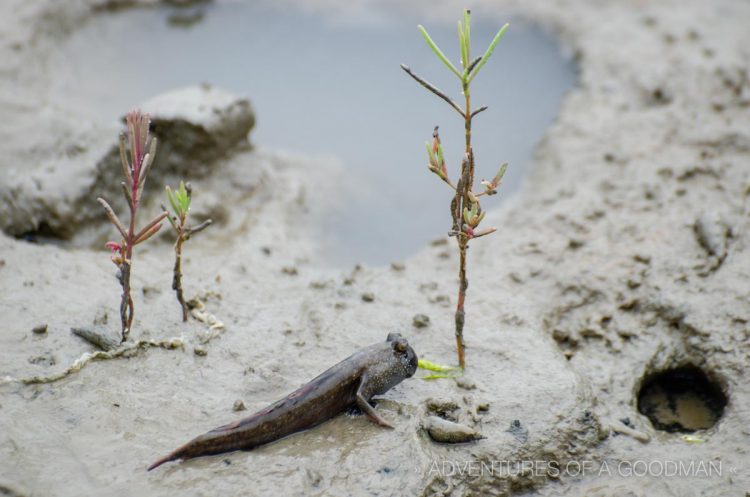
[465, 209]
[180, 202]
[135, 172]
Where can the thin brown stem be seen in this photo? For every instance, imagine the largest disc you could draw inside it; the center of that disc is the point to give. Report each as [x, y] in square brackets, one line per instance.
[127, 308]
[446, 179]
[177, 276]
[126, 303]
[205, 224]
[481, 109]
[460, 313]
[460, 202]
[485, 192]
[433, 89]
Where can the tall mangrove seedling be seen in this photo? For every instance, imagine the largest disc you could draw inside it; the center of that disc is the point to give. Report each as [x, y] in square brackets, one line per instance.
[180, 202]
[465, 209]
[135, 172]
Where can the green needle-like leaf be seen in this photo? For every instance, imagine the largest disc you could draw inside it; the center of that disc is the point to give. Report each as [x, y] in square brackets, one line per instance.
[692, 439]
[430, 155]
[462, 45]
[489, 51]
[184, 203]
[499, 176]
[172, 200]
[438, 368]
[467, 34]
[438, 376]
[438, 52]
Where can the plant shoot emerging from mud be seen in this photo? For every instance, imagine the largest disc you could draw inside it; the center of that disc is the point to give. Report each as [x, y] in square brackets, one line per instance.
[180, 202]
[466, 211]
[135, 172]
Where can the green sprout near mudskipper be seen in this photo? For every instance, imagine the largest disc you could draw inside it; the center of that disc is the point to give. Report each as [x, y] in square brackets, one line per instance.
[180, 202]
[135, 172]
[439, 371]
[465, 209]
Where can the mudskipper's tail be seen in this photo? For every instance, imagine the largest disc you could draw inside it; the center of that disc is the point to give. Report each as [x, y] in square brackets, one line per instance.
[172, 456]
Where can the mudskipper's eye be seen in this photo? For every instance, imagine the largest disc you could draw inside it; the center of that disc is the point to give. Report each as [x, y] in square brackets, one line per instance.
[400, 346]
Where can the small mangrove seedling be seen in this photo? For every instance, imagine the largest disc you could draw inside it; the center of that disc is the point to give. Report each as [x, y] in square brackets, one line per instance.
[466, 211]
[135, 172]
[180, 202]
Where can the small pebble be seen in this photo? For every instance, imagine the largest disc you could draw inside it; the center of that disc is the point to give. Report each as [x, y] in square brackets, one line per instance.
[290, 270]
[100, 336]
[397, 266]
[642, 258]
[441, 430]
[575, 243]
[483, 407]
[442, 300]
[40, 329]
[444, 408]
[421, 320]
[465, 383]
[239, 405]
[631, 432]
[199, 351]
[368, 297]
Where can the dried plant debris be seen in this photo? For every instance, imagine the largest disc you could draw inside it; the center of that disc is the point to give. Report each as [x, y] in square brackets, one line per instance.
[128, 349]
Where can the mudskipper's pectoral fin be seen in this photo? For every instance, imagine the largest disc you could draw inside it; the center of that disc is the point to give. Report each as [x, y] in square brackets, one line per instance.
[366, 408]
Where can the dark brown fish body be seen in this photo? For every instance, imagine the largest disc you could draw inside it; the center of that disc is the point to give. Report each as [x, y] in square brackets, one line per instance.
[352, 382]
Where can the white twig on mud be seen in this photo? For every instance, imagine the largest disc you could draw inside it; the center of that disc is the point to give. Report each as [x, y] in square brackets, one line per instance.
[129, 349]
[124, 351]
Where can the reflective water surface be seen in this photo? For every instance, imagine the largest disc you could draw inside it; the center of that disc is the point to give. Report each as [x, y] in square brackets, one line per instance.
[329, 84]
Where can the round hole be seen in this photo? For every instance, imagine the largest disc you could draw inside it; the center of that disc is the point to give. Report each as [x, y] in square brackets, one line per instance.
[682, 399]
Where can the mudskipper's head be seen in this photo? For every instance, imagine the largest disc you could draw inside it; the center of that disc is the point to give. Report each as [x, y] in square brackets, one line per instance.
[404, 353]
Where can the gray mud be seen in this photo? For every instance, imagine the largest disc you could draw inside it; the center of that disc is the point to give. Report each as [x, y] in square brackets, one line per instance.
[624, 254]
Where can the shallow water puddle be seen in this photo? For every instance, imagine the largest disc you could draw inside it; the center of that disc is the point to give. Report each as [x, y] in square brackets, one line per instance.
[329, 83]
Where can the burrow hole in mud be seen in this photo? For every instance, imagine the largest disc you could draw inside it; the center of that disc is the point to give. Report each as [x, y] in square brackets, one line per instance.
[682, 399]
